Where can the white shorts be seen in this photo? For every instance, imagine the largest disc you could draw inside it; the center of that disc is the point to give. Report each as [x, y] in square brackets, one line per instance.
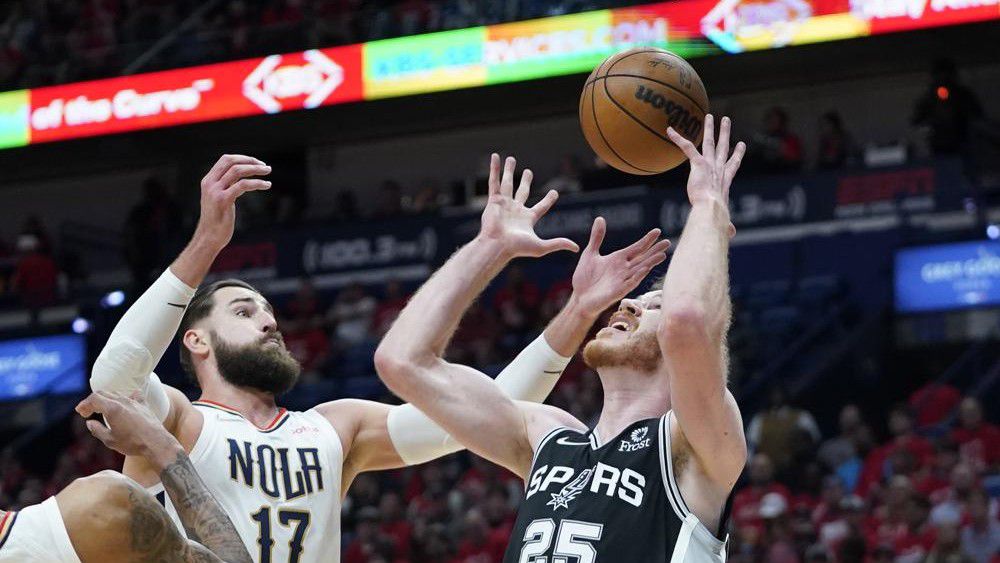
[36, 535]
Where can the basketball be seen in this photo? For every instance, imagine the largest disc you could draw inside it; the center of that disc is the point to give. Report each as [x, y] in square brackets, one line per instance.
[631, 98]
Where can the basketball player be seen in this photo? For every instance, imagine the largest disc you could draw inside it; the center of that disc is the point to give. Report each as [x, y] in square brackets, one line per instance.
[650, 482]
[108, 518]
[281, 475]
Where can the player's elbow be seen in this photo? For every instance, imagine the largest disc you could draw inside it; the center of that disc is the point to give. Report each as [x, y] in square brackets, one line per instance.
[395, 368]
[684, 324]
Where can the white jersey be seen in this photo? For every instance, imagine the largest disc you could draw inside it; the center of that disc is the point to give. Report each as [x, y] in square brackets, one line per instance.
[36, 534]
[280, 485]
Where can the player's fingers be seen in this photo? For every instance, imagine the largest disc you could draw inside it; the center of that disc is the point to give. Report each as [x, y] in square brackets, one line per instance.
[708, 140]
[722, 147]
[239, 171]
[660, 247]
[524, 188]
[639, 246]
[542, 207]
[557, 244]
[686, 146]
[597, 232]
[247, 185]
[494, 181]
[101, 432]
[507, 180]
[227, 161]
[733, 165]
[651, 262]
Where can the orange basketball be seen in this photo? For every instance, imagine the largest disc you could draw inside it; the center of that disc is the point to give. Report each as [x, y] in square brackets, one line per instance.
[631, 98]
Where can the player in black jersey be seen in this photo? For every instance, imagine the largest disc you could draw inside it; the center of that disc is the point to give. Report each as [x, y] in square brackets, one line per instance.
[650, 482]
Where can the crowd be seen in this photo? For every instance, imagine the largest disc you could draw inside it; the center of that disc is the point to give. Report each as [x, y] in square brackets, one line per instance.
[45, 42]
[923, 488]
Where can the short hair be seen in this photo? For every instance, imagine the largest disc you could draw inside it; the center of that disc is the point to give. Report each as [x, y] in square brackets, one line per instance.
[199, 308]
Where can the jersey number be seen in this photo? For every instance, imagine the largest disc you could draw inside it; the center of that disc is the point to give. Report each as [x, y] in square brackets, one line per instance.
[574, 541]
[285, 518]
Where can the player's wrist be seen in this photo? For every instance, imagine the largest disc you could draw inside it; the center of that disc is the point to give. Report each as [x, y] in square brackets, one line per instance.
[715, 206]
[495, 248]
[162, 451]
[582, 307]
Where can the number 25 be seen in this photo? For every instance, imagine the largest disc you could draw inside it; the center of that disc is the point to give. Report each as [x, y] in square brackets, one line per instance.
[574, 540]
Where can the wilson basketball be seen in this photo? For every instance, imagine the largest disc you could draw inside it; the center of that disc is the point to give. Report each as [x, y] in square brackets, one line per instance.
[629, 101]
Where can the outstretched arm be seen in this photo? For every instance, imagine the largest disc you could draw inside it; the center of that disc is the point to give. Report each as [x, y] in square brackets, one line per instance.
[696, 311]
[133, 430]
[383, 437]
[465, 402]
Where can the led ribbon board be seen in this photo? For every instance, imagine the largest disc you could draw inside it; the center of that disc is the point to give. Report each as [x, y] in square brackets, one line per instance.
[454, 59]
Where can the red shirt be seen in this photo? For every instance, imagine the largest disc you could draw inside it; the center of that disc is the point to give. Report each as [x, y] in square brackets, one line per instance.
[487, 552]
[746, 503]
[37, 278]
[874, 468]
[400, 531]
[980, 447]
[933, 402]
[307, 346]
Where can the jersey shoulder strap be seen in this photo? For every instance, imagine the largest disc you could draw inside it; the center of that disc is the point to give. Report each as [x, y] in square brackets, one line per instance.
[667, 469]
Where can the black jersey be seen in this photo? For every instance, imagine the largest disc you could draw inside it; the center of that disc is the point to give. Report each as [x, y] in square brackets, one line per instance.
[608, 503]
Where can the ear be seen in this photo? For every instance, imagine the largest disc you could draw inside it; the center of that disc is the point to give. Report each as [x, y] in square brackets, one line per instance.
[196, 341]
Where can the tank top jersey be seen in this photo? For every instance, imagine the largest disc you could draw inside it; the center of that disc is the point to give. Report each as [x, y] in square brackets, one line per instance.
[280, 485]
[587, 502]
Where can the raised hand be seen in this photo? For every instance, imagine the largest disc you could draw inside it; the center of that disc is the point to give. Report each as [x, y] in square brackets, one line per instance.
[601, 281]
[230, 177]
[713, 169]
[508, 221]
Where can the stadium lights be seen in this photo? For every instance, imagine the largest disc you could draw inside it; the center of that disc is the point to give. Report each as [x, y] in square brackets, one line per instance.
[81, 325]
[993, 232]
[113, 299]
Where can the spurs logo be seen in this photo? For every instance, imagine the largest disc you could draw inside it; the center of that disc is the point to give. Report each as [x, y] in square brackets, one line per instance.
[571, 490]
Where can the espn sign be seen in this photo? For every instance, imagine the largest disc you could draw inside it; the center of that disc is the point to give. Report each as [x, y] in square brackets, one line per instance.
[271, 84]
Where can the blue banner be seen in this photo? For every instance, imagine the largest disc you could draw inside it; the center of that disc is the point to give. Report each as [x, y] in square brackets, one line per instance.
[948, 276]
[44, 365]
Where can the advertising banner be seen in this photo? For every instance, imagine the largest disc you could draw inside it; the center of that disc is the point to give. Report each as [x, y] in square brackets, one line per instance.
[449, 60]
[42, 365]
[948, 276]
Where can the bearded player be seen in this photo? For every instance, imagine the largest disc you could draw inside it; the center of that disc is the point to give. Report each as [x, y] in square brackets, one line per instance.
[108, 518]
[279, 475]
[650, 482]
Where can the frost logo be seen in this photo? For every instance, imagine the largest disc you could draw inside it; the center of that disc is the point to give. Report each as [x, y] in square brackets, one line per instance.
[571, 490]
[272, 82]
[638, 440]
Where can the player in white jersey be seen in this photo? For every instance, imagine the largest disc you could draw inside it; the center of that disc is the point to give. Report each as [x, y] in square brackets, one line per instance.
[281, 476]
[108, 518]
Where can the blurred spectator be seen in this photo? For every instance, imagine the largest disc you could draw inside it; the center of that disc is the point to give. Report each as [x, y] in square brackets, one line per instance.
[836, 148]
[951, 503]
[148, 233]
[981, 536]
[517, 301]
[933, 403]
[476, 546]
[393, 523]
[747, 502]
[947, 549]
[345, 206]
[352, 314]
[567, 179]
[390, 200]
[392, 303]
[36, 276]
[776, 149]
[947, 108]
[33, 226]
[879, 462]
[368, 543]
[978, 440]
[842, 447]
[305, 304]
[601, 176]
[782, 431]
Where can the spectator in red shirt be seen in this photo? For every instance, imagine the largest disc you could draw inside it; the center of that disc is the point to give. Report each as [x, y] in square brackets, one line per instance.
[388, 309]
[475, 546]
[36, 276]
[518, 302]
[918, 537]
[369, 543]
[394, 524]
[746, 503]
[776, 149]
[978, 441]
[951, 504]
[878, 465]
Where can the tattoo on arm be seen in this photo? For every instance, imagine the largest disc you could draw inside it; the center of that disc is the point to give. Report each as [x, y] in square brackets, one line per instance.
[202, 516]
[153, 536]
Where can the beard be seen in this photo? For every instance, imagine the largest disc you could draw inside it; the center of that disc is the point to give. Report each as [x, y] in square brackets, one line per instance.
[272, 370]
[641, 352]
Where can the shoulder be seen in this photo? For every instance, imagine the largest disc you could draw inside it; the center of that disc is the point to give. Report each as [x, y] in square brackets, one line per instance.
[350, 416]
[540, 420]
